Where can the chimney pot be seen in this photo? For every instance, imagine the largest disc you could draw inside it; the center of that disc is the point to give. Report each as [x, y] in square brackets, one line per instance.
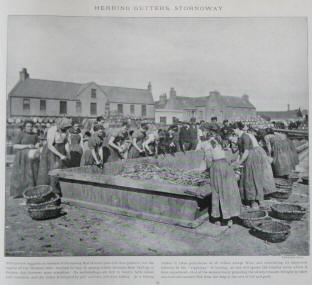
[23, 74]
[214, 93]
[173, 93]
[163, 99]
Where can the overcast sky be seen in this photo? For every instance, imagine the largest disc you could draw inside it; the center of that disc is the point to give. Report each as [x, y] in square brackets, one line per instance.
[265, 58]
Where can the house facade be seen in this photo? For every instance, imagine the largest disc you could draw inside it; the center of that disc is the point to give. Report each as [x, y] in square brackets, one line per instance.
[204, 108]
[46, 98]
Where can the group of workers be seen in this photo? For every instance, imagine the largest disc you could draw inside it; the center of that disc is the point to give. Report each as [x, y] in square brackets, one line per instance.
[258, 154]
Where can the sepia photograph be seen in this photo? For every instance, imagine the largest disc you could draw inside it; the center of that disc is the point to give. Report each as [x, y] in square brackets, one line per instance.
[145, 136]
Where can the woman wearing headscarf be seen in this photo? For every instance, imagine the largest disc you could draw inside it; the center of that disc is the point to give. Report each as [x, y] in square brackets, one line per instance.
[278, 148]
[136, 149]
[226, 201]
[117, 144]
[53, 154]
[25, 167]
[257, 176]
[93, 154]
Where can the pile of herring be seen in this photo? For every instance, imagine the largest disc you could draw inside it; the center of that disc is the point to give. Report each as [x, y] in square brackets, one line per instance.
[148, 171]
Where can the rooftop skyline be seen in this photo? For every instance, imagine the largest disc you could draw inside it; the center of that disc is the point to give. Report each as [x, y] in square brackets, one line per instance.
[265, 58]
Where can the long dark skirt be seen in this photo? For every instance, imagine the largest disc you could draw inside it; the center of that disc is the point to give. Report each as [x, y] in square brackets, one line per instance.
[50, 161]
[226, 200]
[133, 152]
[110, 154]
[257, 176]
[293, 153]
[282, 162]
[24, 173]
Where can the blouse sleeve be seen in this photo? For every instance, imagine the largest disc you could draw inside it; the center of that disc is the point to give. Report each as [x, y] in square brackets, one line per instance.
[137, 135]
[51, 135]
[245, 143]
[18, 138]
[94, 142]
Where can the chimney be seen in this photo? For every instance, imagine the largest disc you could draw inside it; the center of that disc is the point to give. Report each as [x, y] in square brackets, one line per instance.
[149, 87]
[23, 74]
[214, 93]
[173, 93]
[288, 107]
[245, 97]
[163, 99]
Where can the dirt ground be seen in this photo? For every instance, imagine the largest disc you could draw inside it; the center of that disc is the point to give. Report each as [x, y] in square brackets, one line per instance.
[83, 232]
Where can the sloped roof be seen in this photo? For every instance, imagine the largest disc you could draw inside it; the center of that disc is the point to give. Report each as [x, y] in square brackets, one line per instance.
[181, 102]
[281, 115]
[128, 95]
[48, 89]
[234, 102]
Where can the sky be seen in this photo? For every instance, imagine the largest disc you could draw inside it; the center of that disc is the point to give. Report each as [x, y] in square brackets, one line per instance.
[265, 58]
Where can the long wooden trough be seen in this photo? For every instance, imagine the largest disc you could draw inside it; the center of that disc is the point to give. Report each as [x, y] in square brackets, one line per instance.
[106, 190]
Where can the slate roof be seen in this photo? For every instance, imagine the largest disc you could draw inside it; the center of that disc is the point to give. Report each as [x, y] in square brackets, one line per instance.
[281, 115]
[234, 102]
[183, 103]
[48, 89]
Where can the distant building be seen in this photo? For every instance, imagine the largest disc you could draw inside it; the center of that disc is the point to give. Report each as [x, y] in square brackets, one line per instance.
[47, 98]
[283, 115]
[203, 108]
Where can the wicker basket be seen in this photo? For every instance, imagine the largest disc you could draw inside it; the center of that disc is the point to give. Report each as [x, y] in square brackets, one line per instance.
[54, 201]
[271, 231]
[290, 212]
[247, 218]
[305, 180]
[39, 194]
[281, 193]
[45, 213]
[282, 182]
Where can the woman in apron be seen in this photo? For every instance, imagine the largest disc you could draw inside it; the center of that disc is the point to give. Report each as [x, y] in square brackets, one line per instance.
[226, 201]
[136, 149]
[25, 169]
[278, 147]
[53, 154]
[257, 176]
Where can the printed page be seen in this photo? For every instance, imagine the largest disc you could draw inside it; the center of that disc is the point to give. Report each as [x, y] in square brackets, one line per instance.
[155, 142]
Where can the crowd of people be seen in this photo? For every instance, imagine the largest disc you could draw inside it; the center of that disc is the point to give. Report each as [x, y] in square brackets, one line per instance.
[258, 154]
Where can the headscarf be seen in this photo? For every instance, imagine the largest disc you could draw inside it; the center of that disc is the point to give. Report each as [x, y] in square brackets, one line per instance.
[63, 123]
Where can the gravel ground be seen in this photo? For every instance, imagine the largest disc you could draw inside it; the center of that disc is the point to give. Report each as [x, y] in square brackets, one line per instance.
[83, 232]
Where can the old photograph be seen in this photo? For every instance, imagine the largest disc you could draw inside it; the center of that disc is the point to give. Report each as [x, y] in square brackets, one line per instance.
[157, 136]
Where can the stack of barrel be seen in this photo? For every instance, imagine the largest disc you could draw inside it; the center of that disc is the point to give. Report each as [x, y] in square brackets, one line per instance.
[42, 203]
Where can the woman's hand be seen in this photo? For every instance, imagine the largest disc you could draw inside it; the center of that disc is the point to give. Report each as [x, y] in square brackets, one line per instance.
[63, 157]
[30, 146]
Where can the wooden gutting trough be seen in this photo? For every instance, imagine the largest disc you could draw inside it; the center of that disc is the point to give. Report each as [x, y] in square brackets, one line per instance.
[106, 190]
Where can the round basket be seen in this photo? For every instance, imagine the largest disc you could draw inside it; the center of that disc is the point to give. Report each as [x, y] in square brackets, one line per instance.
[305, 180]
[271, 231]
[45, 213]
[248, 217]
[39, 194]
[293, 177]
[290, 212]
[282, 182]
[281, 193]
[54, 201]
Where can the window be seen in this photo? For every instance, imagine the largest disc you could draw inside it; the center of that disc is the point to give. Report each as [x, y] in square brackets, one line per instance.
[201, 115]
[78, 107]
[42, 105]
[143, 110]
[93, 109]
[131, 109]
[163, 120]
[120, 109]
[63, 107]
[93, 93]
[26, 104]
